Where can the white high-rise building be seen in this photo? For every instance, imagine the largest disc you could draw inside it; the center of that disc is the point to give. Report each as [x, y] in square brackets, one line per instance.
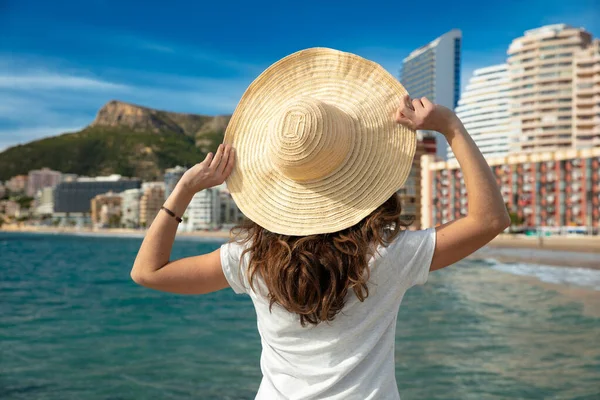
[541, 69]
[203, 211]
[484, 110]
[433, 71]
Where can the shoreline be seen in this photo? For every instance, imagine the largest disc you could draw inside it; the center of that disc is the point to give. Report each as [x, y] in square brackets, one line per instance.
[572, 251]
[117, 232]
[583, 244]
[555, 258]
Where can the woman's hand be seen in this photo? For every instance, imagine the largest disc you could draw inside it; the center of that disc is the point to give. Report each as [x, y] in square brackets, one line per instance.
[423, 114]
[211, 172]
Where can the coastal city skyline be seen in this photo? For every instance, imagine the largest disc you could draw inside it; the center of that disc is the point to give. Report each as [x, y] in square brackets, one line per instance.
[543, 100]
[66, 75]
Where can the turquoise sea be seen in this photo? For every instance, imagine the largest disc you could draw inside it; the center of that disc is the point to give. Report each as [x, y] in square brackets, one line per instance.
[74, 326]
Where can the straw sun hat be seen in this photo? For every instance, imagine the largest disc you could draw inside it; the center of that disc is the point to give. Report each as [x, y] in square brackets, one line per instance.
[317, 146]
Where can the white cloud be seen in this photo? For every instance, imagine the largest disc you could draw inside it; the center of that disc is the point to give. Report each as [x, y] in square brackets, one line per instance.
[44, 101]
[189, 52]
[46, 80]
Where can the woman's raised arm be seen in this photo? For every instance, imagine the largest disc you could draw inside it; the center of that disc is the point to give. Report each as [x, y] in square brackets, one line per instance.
[486, 216]
[192, 275]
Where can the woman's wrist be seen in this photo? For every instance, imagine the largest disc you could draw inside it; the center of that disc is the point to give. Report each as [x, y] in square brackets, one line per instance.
[179, 199]
[452, 128]
[185, 190]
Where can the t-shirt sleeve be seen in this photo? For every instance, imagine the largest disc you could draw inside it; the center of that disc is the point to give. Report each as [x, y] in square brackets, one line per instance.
[230, 262]
[414, 252]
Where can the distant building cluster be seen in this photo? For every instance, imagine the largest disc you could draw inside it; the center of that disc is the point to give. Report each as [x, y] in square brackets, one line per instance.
[112, 201]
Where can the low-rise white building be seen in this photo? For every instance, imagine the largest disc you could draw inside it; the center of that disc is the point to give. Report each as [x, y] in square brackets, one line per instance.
[44, 201]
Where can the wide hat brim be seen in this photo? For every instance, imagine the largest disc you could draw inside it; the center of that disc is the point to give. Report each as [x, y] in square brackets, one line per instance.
[379, 163]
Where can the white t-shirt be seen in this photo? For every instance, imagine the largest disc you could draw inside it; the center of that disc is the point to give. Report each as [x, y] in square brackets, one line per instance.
[351, 357]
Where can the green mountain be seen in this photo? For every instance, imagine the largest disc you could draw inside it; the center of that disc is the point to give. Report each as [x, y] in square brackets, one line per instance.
[124, 139]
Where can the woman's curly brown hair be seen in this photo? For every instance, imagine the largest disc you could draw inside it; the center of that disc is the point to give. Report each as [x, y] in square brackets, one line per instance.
[311, 275]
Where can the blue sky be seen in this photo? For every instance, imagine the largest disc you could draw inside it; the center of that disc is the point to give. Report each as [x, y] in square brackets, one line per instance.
[60, 61]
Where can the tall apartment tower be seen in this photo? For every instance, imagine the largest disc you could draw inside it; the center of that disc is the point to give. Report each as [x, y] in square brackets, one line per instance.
[153, 197]
[483, 109]
[433, 71]
[540, 68]
[586, 97]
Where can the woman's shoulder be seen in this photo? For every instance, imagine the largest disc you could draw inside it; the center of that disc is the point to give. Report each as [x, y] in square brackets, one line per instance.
[410, 241]
[235, 245]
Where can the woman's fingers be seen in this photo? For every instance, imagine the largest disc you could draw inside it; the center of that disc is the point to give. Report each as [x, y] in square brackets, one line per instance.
[417, 104]
[408, 102]
[398, 114]
[426, 102]
[406, 108]
[208, 159]
[230, 163]
[225, 159]
[217, 159]
[402, 120]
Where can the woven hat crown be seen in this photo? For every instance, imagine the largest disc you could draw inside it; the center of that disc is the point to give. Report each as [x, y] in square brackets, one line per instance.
[309, 139]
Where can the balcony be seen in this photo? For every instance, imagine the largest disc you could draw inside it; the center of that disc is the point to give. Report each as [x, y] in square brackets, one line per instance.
[584, 101]
[587, 112]
[583, 91]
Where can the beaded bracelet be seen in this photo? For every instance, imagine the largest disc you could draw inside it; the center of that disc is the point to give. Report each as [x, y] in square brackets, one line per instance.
[171, 213]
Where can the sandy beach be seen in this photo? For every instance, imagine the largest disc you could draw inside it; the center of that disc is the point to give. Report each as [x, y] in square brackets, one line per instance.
[586, 244]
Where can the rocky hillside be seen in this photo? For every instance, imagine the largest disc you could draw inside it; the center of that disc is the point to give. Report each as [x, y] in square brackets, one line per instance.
[123, 138]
